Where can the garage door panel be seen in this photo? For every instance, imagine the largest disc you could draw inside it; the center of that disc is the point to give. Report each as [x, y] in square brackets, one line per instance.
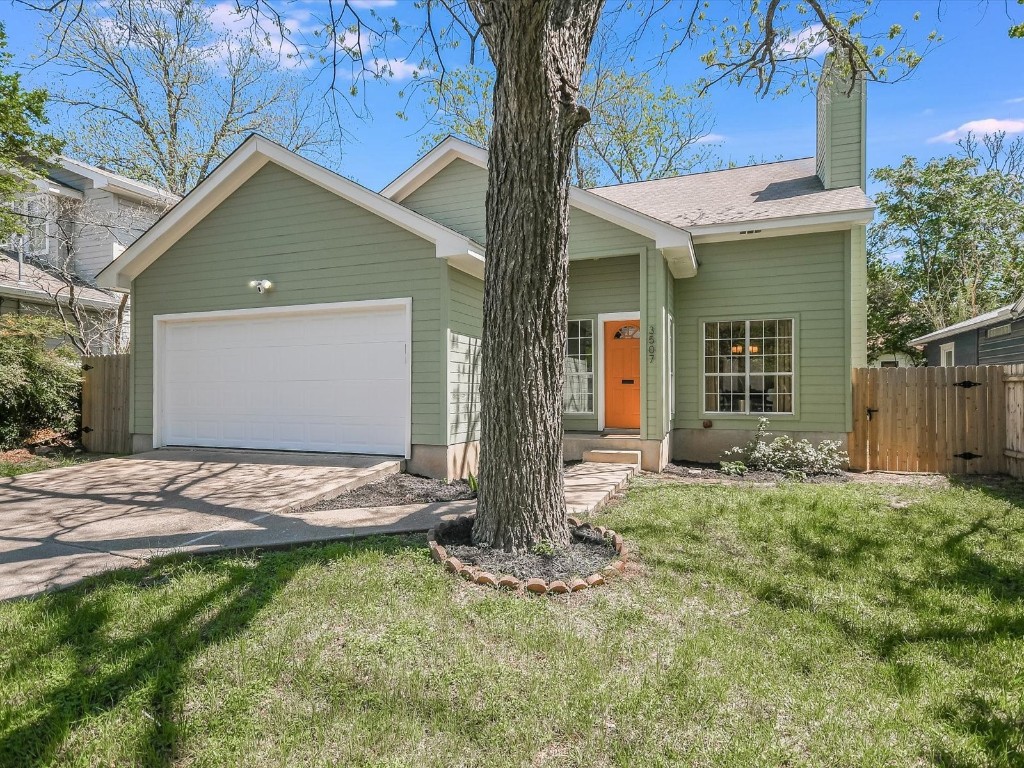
[329, 381]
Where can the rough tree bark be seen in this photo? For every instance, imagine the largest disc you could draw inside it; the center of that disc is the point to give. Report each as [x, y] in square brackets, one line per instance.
[539, 49]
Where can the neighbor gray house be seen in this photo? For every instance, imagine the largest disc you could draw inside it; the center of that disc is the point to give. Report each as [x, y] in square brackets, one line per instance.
[77, 219]
[991, 338]
[282, 306]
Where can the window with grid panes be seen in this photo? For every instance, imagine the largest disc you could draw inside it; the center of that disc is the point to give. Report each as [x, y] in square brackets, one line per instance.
[748, 366]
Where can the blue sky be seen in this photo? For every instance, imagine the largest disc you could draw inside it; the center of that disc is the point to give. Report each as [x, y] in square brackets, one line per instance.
[974, 75]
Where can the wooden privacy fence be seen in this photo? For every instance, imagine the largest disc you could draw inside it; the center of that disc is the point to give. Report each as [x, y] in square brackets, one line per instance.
[105, 386]
[949, 420]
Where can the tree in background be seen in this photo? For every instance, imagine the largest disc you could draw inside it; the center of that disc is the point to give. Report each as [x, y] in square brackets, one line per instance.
[894, 317]
[637, 131]
[167, 92]
[949, 235]
[24, 146]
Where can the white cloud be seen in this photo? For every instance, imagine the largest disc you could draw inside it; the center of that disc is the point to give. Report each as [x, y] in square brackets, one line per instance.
[711, 138]
[296, 21]
[980, 127]
[811, 41]
[1018, 100]
[373, 3]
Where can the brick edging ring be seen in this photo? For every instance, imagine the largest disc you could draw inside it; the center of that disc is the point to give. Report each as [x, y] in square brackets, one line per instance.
[537, 586]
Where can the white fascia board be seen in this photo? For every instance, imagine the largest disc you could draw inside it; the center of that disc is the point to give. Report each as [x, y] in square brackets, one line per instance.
[783, 225]
[989, 318]
[674, 242]
[254, 153]
[432, 163]
[118, 184]
[41, 296]
[51, 187]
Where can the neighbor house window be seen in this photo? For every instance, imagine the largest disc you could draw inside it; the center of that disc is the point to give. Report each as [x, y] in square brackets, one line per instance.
[748, 366]
[578, 396]
[947, 355]
[37, 224]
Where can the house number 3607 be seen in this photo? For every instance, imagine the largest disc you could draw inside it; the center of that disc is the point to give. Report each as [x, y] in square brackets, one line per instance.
[651, 346]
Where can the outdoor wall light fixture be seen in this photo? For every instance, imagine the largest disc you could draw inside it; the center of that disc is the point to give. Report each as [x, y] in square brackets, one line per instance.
[261, 286]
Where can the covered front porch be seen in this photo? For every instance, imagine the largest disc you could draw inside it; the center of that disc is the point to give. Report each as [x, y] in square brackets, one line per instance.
[620, 360]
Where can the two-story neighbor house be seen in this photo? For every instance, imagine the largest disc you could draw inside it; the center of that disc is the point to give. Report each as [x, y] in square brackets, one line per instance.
[282, 306]
[78, 218]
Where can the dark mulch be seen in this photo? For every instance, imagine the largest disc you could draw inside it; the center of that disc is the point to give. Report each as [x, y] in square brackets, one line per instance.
[705, 472]
[588, 553]
[398, 489]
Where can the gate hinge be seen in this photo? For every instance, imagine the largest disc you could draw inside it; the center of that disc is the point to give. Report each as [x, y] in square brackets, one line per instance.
[87, 429]
[968, 384]
[967, 455]
[871, 412]
[87, 367]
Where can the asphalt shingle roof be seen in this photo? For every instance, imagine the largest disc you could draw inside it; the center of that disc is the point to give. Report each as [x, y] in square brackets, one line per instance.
[43, 285]
[754, 193]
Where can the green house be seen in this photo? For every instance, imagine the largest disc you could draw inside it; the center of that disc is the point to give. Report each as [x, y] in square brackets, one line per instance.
[281, 306]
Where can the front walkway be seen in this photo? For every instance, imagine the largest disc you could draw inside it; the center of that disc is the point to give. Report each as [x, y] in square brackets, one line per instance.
[62, 525]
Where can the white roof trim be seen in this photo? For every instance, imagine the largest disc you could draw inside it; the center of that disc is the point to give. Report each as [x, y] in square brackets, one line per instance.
[1009, 312]
[782, 225]
[252, 155]
[33, 294]
[121, 184]
[674, 242]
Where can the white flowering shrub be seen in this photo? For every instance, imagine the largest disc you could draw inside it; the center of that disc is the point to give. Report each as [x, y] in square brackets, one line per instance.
[784, 454]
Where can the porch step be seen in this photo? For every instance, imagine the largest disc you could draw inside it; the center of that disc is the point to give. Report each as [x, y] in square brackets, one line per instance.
[613, 457]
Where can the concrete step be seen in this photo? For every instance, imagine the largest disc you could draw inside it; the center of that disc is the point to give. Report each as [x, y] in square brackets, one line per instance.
[613, 457]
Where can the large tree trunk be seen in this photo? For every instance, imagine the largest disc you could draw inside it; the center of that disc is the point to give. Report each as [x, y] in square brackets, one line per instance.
[539, 49]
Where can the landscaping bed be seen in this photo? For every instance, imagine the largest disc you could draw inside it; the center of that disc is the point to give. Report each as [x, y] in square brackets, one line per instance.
[708, 472]
[589, 553]
[401, 488]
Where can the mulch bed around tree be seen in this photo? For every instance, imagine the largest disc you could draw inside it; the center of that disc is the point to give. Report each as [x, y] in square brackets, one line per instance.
[593, 554]
[398, 489]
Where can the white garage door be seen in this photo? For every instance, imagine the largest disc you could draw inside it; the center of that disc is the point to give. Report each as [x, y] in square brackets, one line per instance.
[333, 377]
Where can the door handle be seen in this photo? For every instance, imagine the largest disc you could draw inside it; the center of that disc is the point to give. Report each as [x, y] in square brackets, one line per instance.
[629, 381]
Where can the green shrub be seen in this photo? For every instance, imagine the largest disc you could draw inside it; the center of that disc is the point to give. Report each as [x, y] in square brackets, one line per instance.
[794, 458]
[39, 381]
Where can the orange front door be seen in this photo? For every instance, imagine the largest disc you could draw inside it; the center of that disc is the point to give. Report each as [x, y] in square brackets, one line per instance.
[622, 374]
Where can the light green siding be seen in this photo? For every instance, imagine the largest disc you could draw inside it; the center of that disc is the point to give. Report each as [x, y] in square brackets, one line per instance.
[804, 277]
[455, 197]
[315, 248]
[858, 298]
[841, 152]
[590, 236]
[465, 310]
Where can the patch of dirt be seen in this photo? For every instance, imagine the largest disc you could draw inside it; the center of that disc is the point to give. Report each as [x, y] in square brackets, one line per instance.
[707, 473]
[589, 553]
[398, 489]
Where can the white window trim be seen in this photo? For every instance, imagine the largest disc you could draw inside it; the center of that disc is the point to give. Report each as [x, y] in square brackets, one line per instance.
[702, 391]
[593, 372]
[943, 349]
[47, 224]
[599, 380]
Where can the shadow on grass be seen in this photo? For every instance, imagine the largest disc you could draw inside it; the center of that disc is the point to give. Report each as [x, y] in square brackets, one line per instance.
[940, 579]
[147, 668]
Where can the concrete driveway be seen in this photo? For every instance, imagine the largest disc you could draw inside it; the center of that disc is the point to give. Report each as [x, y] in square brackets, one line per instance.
[60, 525]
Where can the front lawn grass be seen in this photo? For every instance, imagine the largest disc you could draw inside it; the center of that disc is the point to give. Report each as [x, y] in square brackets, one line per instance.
[799, 625]
[36, 463]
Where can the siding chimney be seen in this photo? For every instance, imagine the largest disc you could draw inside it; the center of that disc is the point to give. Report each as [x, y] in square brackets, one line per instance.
[841, 153]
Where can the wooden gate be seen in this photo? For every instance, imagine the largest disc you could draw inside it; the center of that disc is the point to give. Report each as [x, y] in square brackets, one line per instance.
[949, 420]
[105, 386]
